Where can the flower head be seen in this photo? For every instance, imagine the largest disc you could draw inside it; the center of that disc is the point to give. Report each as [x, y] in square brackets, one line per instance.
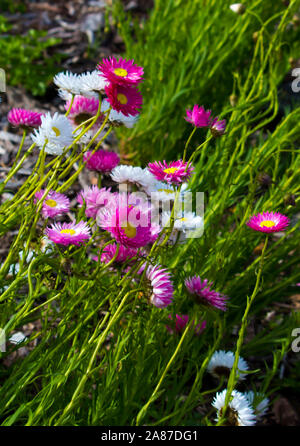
[127, 100]
[175, 172]
[116, 118]
[258, 402]
[101, 161]
[54, 203]
[132, 175]
[130, 225]
[54, 134]
[68, 82]
[239, 411]
[68, 233]
[180, 323]
[198, 116]
[91, 84]
[268, 222]
[82, 109]
[25, 118]
[123, 253]
[221, 363]
[95, 199]
[217, 127]
[160, 285]
[204, 294]
[121, 72]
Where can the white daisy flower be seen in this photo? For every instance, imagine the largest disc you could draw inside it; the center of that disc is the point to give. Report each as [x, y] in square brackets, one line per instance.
[130, 174]
[54, 133]
[259, 403]
[221, 364]
[92, 83]
[184, 221]
[117, 118]
[239, 411]
[68, 82]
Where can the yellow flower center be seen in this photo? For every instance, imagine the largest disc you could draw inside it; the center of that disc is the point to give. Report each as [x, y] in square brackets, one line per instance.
[51, 203]
[120, 72]
[68, 231]
[129, 230]
[56, 131]
[167, 191]
[267, 224]
[122, 98]
[171, 169]
[183, 219]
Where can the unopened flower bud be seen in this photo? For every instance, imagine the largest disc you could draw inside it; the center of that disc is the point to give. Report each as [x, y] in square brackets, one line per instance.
[290, 200]
[233, 99]
[264, 179]
[238, 8]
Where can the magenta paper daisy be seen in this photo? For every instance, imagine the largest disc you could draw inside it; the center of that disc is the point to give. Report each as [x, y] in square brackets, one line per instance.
[95, 199]
[25, 118]
[121, 72]
[204, 294]
[129, 225]
[176, 172]
[159, 284]
[181, 322]
[68, 233]
[101, 161]
[54, 203]
[83, 109]
[198, 116]
[123, 255]
[127, 100]
[268, 222]
[218, 127]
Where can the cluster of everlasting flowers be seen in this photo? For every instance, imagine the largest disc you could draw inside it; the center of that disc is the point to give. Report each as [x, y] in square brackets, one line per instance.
[200, 117]
[204, 295]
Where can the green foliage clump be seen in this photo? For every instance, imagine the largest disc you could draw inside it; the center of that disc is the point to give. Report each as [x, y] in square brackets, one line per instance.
[24, 58]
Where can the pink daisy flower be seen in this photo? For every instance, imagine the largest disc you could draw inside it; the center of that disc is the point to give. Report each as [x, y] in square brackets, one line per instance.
[218, 127]
[121, 72]
[25, 118]
[82, 109]
[102, 161]
[54, 203]
[123, 255]
[198, 116]
[268, 222]
[129, 225]
[160, 286]
[181, 322]
[203, 293]
[176, 172]
[95, 199]
[68, 233]
[127, 100]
